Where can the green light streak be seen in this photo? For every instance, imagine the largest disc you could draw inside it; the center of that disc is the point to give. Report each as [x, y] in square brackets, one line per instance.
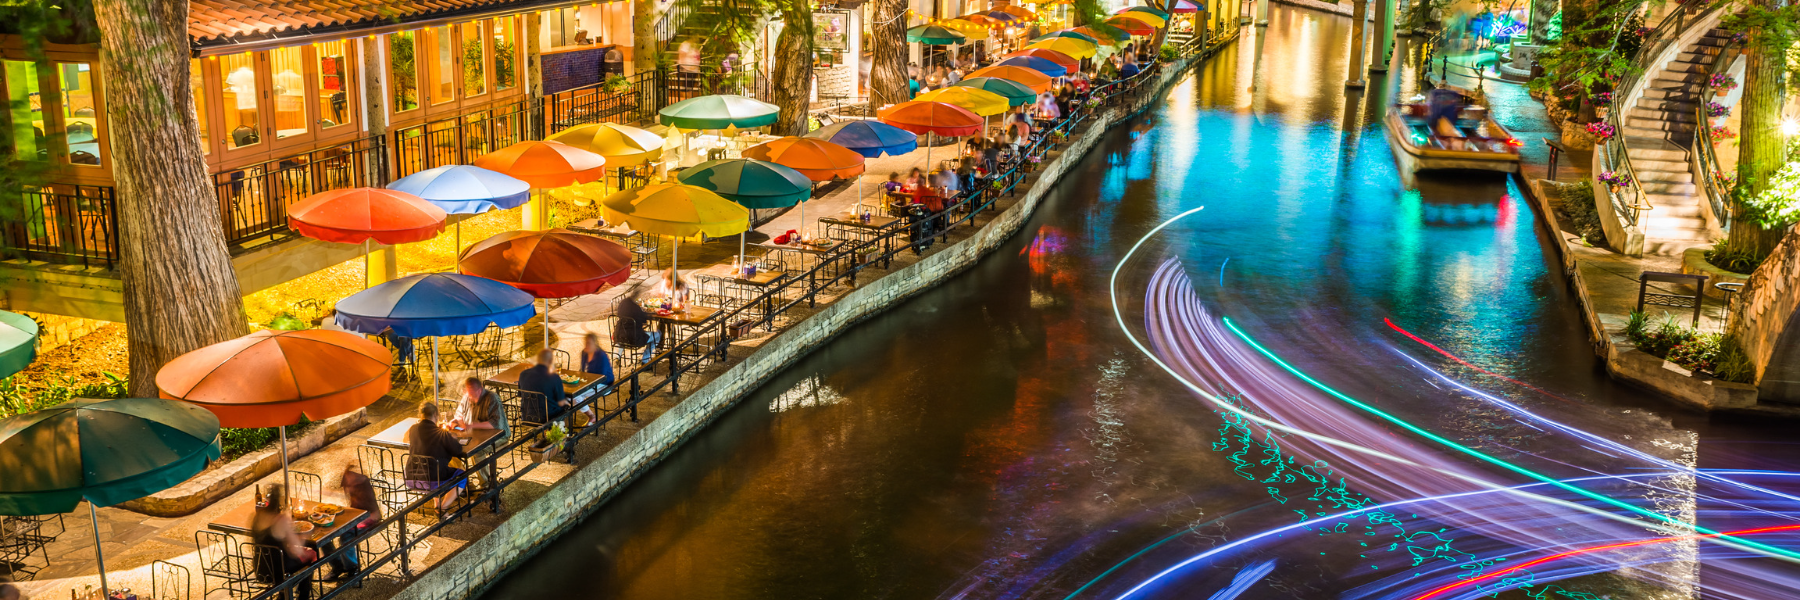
[1495, 461]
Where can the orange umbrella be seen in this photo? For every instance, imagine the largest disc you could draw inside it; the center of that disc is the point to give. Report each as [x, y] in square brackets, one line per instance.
[1038, 82]
[545, 164]
[1063, 60]
[982, 20]
[1015, 11]
[274, 378]
[817, 159]
[557, 263]
[924, 116]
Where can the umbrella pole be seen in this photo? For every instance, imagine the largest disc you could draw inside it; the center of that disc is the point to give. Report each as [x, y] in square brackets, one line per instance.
[365, 264]
[286, 485]
[99, 555]
[546, 324]
[434, 369]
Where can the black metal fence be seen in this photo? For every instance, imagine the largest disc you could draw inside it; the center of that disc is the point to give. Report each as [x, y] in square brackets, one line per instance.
[63, 224]
[459, 140]
[253, 200]
[634, 102]
[387, 546]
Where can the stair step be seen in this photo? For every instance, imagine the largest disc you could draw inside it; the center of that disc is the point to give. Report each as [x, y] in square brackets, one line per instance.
[1647, 114]
[1666, 187]
[1681, 105]
[1677, 211]
[1681, 66]
[1653, 147]
[1659, 224]
[1658, 124]
[1649, 164]
[1661, 175]
[1681, 92]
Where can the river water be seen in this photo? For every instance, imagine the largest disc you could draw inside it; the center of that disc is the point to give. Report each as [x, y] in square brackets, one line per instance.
[1117, 403]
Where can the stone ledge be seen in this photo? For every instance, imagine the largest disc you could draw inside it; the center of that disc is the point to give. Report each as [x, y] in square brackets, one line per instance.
[1693, 262]
[1626, 363]
[210, 485]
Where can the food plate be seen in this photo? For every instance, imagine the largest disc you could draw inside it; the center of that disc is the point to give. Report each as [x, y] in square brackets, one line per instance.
[303, 527]
[322, 519]
[330, 509]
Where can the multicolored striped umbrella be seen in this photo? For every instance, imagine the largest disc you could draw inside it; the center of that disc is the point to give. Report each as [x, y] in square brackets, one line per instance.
[1014, 92]
[932, 117]
[1184, 7]
[1071, 47]
[1041, 65]
[1067, 33]
[1131, 25]
[978, 101]
[1037, 82]
[750, 182]
[1065, 61]
[1160, 15]
[817, 159]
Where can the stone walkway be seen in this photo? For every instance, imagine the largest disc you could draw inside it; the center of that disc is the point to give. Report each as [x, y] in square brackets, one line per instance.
[133, 541]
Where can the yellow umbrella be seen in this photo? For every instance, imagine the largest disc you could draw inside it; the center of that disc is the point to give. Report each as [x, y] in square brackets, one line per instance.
[1147, 18]
[971, 30]
[1076, 48]
[979, 101]
[677, 210]
[622, 145]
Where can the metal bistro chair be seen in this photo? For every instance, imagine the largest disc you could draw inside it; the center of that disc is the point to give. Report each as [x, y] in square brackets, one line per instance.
[170, 581]
[307, 486]
[271, 570]
[22, 537]
[224, 559]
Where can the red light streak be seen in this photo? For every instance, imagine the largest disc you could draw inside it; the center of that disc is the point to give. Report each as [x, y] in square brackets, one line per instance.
[1562, 555]
[1390, 324]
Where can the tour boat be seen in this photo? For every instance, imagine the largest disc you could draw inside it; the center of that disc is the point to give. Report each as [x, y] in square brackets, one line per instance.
[1476, 144]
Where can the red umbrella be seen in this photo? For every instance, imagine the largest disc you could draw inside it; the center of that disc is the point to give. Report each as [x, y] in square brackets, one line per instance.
[920, 116]
[356, 215]
[555, 263]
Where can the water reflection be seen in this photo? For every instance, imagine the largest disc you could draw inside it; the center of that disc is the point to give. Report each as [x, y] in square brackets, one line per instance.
[1001, 437]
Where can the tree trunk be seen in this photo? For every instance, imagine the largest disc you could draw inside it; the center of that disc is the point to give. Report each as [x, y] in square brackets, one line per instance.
[1761, 148]
[790, 83]
[644, 45]
[887, 75]
[180, 290]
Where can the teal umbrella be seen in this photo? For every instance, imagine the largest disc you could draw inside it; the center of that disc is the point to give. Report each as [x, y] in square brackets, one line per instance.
[18, 342]
[1015, 93]
[751, 183]
[1144, 9]
[718, 112]
[101, 451]
[935, 35]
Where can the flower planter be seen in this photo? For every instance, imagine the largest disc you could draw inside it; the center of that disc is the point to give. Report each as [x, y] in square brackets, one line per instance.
[544, 451]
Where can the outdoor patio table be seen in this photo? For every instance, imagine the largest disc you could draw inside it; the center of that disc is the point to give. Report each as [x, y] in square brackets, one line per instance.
[762, 279]
[577, 392]
[395, 436]
[847, 222]
[237, 522]
[599, 227]
[672, 323]
[817, 252]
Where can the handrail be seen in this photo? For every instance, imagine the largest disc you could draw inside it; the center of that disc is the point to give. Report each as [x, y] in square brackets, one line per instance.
[708, 339]
[1704, 155]
[1629, 202]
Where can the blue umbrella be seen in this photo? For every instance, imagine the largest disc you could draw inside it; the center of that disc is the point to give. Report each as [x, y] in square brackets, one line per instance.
[868, 138]
[435, 304]
[465, 190]
[1043, 65]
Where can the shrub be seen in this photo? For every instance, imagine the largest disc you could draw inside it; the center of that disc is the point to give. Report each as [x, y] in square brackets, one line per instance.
[19, 399]
[1658, 341]
[238, 442]
[1736, 261]
[1168, 53]
[1578, 202]
[1732, 364]
[1634, 327]
[1699, 353]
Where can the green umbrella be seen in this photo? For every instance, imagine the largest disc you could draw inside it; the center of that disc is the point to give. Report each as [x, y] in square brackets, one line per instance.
[751, 183]
[1068, 34]
[101, 451]
[1015, 93]
[718, 112]
[935, 35]
[18, 342]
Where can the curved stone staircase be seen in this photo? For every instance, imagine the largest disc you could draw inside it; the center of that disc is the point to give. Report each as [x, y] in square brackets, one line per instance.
[1659, 133]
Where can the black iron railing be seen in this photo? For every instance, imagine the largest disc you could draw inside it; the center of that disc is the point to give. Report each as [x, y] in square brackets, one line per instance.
[253, 200]
[459, 140]
[635, 102]
[63, 224]
[709, 340]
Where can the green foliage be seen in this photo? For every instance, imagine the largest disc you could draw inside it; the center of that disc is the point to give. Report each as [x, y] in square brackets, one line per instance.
[404, 68]
[1634, 326]
[505, 65]
[1776, 203]
[1659, 340]
[1766, 29]
[1737, 261]
[16, 398]
[1578, 202]
[1732, 364]
[238, 442]
[1594, 52]
[286, 321]
[1553, 30]
[616, 83]
[1168, 53]
[1699, 353]
[473, 78]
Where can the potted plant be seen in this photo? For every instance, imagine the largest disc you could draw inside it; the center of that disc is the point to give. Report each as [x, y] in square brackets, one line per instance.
[548, 445]
[1721, 83]
[1602, 103]
[1717, 112]
[616, 83]
[1721, 134]
[1614, 180]
[1602, 131]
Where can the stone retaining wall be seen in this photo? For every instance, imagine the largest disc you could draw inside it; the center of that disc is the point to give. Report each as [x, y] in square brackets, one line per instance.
[468, 573]
[1760, 319]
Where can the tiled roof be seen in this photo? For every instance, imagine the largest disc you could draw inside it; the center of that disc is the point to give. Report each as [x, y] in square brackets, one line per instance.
[220, 20]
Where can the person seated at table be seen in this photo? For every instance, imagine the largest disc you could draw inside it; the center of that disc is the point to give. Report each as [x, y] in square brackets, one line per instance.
[965, 173]
[631, 329]
[1046, 107]
[947, 184]
[479, 408]
[360, 493]
[279, 550]
[595, 360]
[543, 379]
[990, 154]
[430, 449]
[972, 145]
[914, 180]
[1130, 68]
